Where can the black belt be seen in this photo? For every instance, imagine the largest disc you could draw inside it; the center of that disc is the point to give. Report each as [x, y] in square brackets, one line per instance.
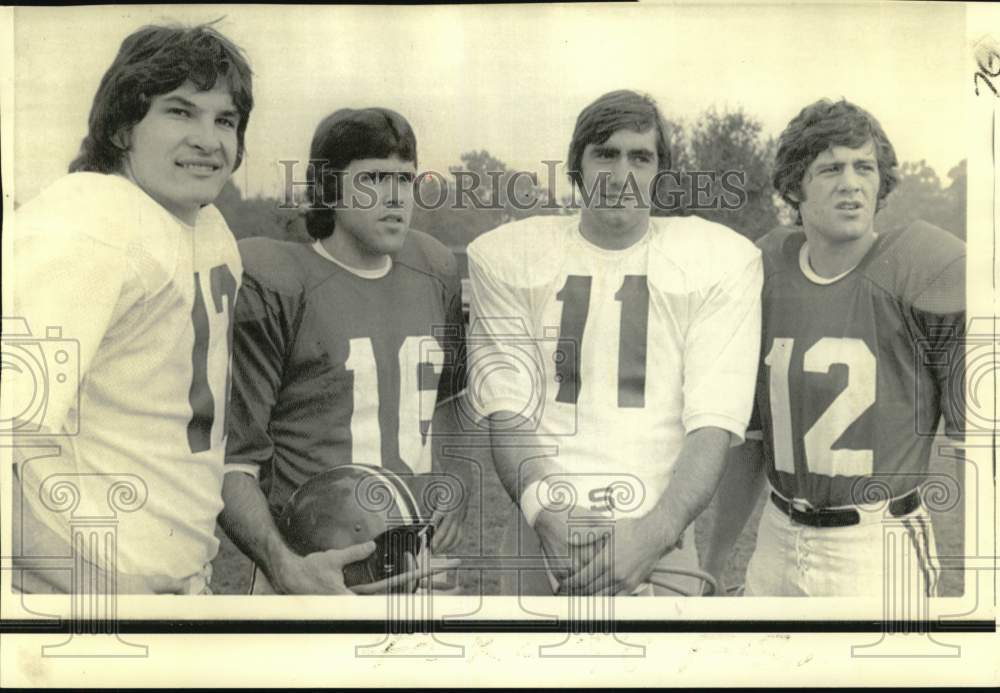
[842, 517]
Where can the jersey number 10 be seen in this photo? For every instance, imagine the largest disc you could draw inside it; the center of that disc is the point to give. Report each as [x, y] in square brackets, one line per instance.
[419, 368]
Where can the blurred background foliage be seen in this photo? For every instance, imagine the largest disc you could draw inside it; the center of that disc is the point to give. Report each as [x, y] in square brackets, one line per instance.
[717, 141]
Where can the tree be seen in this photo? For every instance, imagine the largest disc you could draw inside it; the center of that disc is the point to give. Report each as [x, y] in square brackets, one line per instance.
[957, 193]
[483, 194]
[259, 216]
[920, 195]
[511, 195]
[725, 166]
[452, 217]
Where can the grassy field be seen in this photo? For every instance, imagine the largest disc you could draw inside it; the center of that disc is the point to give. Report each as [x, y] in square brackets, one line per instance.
[491, 510]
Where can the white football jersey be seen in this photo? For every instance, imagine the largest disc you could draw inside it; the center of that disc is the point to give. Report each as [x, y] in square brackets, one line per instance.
[130, 313]
[615, 355]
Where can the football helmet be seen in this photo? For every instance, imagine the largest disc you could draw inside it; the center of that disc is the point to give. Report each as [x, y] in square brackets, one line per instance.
[352, 504]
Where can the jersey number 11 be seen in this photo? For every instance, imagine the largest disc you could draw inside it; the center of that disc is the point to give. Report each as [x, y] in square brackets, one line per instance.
[633, 326]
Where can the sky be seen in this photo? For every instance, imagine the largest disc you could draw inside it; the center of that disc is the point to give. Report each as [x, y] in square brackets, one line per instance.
[512, 79]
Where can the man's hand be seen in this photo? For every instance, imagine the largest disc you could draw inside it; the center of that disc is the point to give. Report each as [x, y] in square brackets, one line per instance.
[626, 559]
[449, 525]
[321, 572]
[639, 543]
[416, 570]
[552, 529]
[446, 495]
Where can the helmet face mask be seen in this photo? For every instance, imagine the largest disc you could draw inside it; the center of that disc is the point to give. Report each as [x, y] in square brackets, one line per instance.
[389, 557]
[353, 504]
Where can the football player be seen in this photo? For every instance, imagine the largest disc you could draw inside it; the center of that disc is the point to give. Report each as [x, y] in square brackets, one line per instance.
[130, 259]
[613, 357]
[861, 357]
[346, 349]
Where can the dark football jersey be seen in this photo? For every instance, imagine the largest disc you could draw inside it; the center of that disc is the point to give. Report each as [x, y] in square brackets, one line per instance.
[857, 373]
[333, 368]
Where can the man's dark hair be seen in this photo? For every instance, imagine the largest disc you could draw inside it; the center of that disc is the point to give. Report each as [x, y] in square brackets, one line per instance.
[344, 136]
[615, 111]
[818, 127]
[155, 60]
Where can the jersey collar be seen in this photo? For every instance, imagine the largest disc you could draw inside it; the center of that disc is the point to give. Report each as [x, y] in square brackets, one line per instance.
[582, 241]
[811, 275]
[376, 273]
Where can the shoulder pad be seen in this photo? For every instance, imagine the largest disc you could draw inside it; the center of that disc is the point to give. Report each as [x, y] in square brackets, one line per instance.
[922, 263]
[524, 252]
[425, 253]
[106, 208]
[697, 250]
[779, 248]
[277, 265]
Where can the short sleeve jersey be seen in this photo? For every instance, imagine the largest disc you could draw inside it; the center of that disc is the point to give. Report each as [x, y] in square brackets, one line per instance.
[614, 355]
[856, 374]
[334, 368]
[130, 312]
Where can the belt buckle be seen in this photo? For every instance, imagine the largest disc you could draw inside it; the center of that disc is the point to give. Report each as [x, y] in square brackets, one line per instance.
[801, 505]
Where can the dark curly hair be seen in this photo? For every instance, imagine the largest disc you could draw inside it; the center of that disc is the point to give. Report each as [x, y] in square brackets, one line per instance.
[344, 136]
[155, 60]
[818, 127]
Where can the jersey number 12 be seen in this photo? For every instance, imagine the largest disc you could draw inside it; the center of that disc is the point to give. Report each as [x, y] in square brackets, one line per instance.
[847, 408]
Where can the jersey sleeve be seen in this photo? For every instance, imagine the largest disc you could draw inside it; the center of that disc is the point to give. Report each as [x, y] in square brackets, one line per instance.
[755, 430]
[263, 330]
[939, 314]
[721, 352]
[68, 287]
[502, 363]
[455, 372]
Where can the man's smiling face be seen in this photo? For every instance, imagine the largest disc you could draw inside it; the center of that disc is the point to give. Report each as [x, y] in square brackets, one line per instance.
[184, 150]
